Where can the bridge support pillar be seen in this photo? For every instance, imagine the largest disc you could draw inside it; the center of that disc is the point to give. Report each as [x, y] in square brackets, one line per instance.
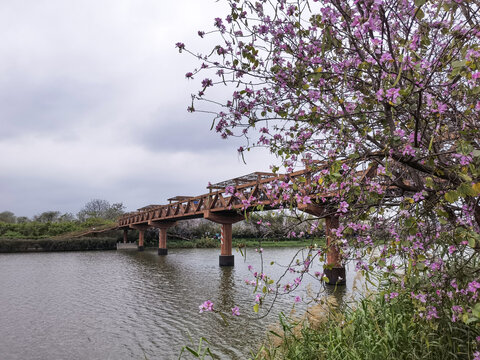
[226, 258]
[141, 239]
[335, 270]
[141, 235]
[226, 219]
[162, 234]
[125, 236]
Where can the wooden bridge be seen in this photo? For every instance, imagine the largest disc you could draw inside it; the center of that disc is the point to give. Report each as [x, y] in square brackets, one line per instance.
[228, 202]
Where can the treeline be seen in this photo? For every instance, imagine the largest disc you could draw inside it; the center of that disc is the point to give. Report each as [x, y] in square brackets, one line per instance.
[97, 213]
[53, 223]
[94, 209]
[37, 230]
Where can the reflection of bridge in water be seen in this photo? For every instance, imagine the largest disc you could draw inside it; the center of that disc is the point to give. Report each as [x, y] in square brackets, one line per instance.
[228, 201]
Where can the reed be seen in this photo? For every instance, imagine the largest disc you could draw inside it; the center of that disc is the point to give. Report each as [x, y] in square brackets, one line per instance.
[374, 329]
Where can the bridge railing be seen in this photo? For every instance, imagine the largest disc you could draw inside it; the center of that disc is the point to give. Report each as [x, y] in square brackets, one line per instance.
[243, 197]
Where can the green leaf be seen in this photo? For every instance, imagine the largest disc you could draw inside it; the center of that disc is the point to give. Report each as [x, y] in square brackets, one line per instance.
[465, 177]
[255, 308]
[465, 190]
[471, 320]
[476, 310]
[274, 333]
[419, 3]
[459, 64]
[429, 182]
[420, 266]
[420, 14]
[476, 188]
[192, 351]
[451, 196]
[472, 242]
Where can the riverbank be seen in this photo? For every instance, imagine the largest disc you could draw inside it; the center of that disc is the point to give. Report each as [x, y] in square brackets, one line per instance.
[50, 245]
[110, 243]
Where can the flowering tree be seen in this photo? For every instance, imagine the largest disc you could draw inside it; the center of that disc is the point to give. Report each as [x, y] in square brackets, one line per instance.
[385, 84]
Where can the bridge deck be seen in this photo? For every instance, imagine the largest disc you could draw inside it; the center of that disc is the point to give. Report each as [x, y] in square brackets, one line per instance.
[231, 196]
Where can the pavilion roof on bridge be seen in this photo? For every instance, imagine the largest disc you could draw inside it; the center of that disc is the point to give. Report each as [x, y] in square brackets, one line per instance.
[148, 207]
[255, 176]
[179, 198]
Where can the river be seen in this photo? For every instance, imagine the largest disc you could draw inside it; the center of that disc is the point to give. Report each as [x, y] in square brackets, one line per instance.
[134, 305]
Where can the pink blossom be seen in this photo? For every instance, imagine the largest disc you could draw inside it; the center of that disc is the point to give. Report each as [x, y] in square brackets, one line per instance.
[386, 57]
[206, 306]
[393, 94]
[452, 249]
[473, 286]
[343, 207]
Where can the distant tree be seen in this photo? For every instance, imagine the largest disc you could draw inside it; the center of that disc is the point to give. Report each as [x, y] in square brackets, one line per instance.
[22, 220]
[115, 211]
[47, 216]
[67, 217]
[102, 209]
[8, 217]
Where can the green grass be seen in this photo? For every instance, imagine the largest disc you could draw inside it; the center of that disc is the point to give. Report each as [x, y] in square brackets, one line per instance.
[269, 243]
[373, 330]
[237, 242]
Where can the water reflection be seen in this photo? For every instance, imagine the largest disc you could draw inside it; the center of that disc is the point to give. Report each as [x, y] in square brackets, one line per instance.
[227, 286]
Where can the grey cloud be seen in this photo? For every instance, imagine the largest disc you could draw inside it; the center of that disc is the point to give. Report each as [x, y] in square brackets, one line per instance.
[56, 106]
[180, 130]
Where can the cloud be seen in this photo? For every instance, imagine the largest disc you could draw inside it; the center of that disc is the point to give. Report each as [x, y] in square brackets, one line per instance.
[93, 105]
[43, 174]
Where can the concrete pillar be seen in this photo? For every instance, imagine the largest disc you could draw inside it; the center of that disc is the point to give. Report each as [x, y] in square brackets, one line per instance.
[162, 234]
[226, 257]
[141, 237]
[141, 234]
[334, 271]
[226, 219]
[125, 236]
[162, 242]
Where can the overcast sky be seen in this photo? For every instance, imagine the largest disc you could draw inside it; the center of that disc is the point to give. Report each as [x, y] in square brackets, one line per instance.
[93, 105]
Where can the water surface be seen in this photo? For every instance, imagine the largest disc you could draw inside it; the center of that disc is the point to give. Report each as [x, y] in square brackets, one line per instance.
[132, 305]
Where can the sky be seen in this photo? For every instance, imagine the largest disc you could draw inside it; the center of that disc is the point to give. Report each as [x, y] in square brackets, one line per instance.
[93, 101]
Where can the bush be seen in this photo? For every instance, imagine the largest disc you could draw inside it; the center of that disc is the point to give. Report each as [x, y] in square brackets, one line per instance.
[81, 244]
[206, 242]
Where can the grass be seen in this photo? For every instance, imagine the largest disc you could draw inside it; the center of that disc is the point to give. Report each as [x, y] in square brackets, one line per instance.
[274, 243]
[373, 330]
[109, 243]
[237, 242]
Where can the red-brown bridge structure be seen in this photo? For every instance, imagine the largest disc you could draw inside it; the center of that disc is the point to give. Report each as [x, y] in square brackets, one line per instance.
[228, 202]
